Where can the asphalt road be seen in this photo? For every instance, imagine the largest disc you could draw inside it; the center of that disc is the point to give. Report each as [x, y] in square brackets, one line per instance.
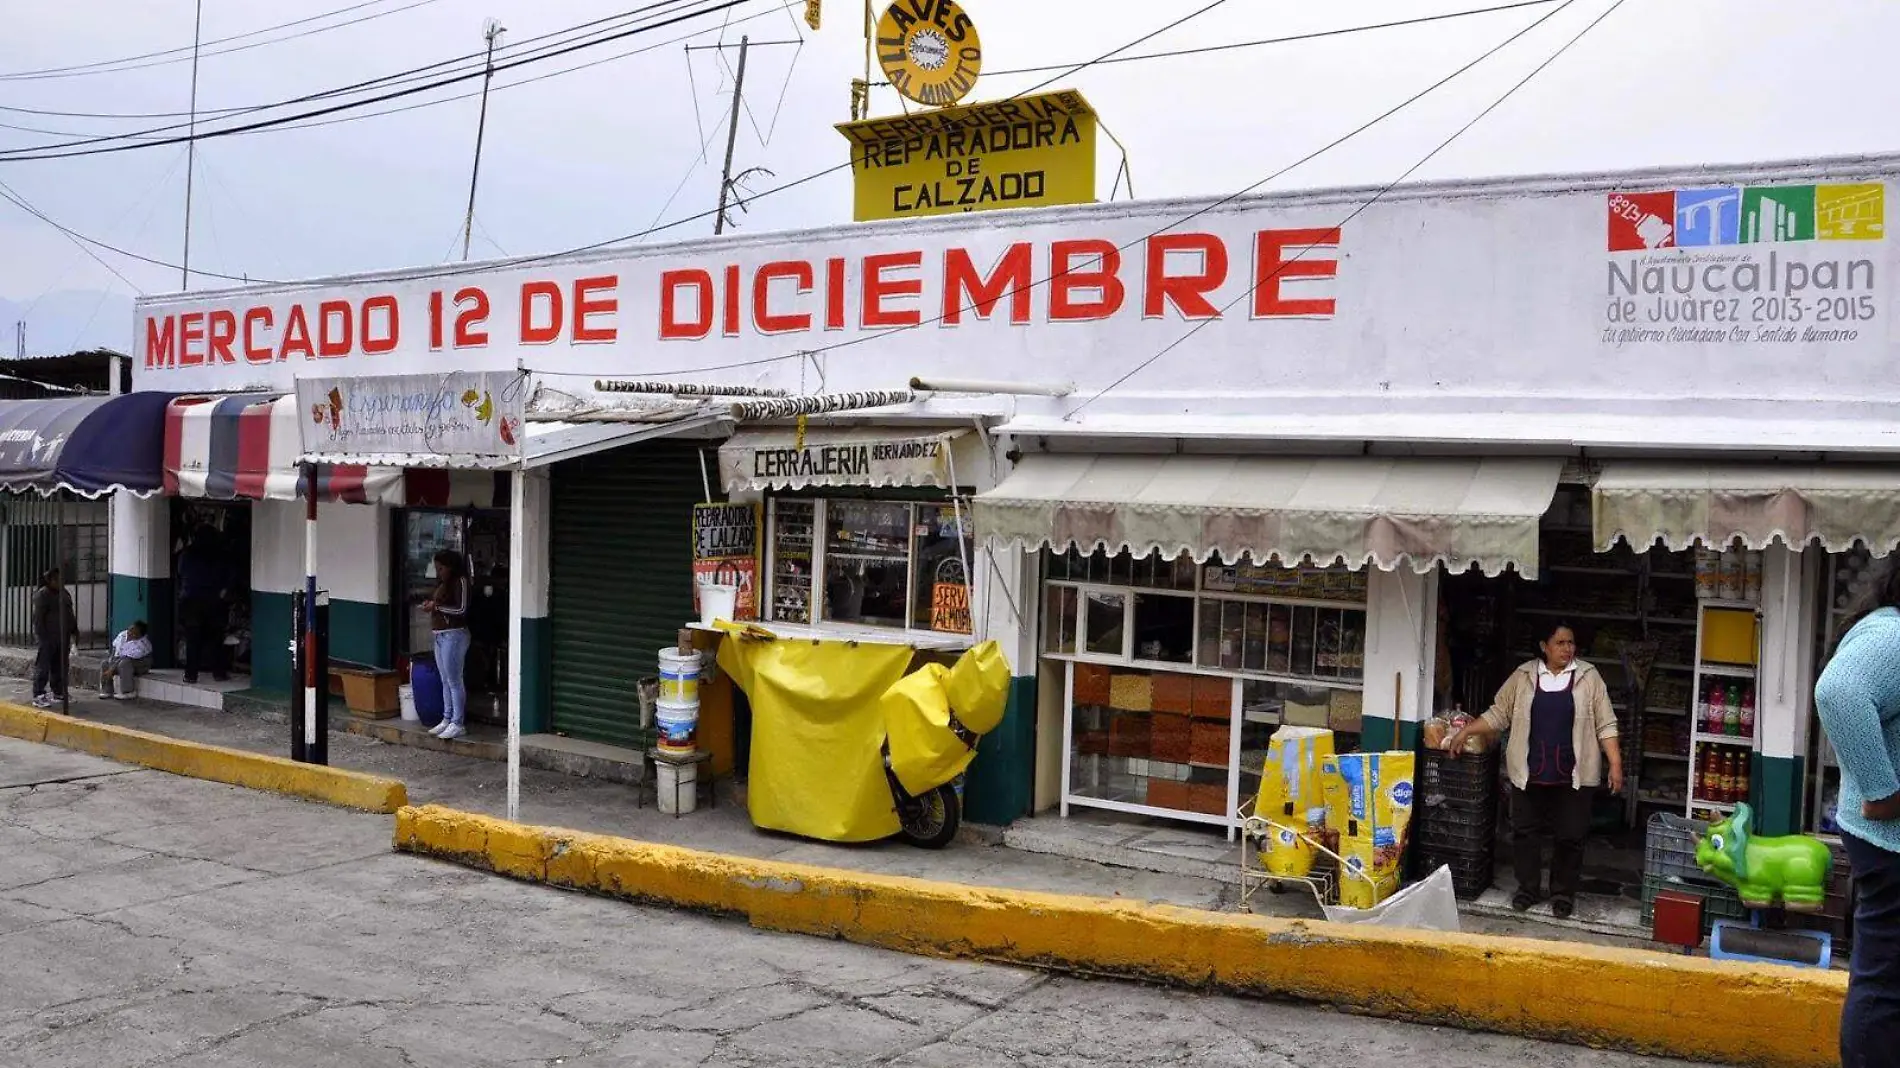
[152, 920]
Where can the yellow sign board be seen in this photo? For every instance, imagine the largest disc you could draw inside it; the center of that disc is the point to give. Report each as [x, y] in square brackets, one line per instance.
[1025, 152]
[930, 51]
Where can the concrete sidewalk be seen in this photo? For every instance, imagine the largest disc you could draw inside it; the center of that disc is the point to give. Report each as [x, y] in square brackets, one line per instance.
[603, 807]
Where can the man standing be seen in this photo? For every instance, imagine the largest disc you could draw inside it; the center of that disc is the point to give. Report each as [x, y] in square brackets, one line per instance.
[203, 585]
[55, 628]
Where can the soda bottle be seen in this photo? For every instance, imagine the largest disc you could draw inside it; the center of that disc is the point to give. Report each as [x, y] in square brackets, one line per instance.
[1701, 715]
[1742, 781]
[1718, 712]
[1732, 713]
[1709, 785]
[1748, 713]
[1725, 789]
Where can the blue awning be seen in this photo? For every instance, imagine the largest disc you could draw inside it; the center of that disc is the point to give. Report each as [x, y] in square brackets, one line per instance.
[86, 445]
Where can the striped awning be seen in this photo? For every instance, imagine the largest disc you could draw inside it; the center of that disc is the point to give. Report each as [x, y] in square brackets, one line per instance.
[1411, 511]
[245, 448]
[1679, 504]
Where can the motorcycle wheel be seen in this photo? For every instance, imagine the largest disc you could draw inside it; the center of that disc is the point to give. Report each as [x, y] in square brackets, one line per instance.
[930, 821]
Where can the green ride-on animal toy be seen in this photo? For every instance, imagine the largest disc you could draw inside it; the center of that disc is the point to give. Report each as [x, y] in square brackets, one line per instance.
[1791, 871]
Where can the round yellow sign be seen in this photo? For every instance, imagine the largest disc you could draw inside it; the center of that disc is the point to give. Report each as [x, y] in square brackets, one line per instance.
[929, 50]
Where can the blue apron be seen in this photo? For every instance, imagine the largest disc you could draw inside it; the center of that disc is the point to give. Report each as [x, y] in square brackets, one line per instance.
[1553, 749]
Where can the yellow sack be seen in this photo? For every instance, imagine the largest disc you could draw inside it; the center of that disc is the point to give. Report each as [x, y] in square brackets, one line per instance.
[1369, 802]
[925, 752]
[1291, 796]
[817, 766]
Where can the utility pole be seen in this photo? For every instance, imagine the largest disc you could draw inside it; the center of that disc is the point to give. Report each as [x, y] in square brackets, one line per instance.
[732, 138]
[492, 32]
[191, 142]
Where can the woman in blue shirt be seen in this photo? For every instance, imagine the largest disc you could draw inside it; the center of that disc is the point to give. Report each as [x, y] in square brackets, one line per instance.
[1858, 700]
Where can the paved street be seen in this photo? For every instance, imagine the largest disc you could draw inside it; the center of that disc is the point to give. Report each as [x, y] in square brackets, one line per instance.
[147, 920]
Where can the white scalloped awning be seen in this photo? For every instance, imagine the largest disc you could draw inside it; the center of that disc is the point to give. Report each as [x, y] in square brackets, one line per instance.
[1682, 503]
[779, 459]
[1421, 511]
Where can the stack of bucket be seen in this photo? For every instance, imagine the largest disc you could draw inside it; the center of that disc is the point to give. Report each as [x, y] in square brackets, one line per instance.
[676, 722]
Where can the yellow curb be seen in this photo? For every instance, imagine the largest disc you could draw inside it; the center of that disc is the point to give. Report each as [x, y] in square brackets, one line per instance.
[255, 771]
[1648, 1002]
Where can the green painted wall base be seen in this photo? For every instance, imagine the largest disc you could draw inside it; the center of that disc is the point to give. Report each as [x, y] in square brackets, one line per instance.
[1410, 735]
[359, 632]
[999, 788]
[1776, 793]
[151, 600]
[1377, 734]
[537, 661]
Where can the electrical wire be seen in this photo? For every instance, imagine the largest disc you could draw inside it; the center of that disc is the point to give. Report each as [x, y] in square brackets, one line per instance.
[1229, 198]
[467, 62]
[183, 53]
[1378, 195]
[18, 201]
[70, 153]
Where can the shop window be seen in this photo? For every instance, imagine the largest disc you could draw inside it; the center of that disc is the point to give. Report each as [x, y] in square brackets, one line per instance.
[878, 563]
[1251, 647]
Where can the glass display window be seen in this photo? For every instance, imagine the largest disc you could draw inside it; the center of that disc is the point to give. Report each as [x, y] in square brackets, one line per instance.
[1179, 673]
[872, 563]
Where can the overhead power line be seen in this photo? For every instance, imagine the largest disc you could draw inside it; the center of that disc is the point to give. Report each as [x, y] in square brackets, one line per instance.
[1377, 196]
[184, 54]
[74, 150]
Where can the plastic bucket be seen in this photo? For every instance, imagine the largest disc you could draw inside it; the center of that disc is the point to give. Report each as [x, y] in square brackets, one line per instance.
[406, 700]
[717, 602]
[677, 787]
[676, 727]
[679, 678]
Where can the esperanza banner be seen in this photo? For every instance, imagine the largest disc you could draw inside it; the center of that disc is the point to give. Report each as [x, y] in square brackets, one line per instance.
[468, 414]
[1766, 282]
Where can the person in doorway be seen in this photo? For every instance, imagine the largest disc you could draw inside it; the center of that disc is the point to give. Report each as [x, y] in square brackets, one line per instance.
[131, 657]
[1857, 698]
[448, 619]
[203, 586]
[55, 630]
[1561, 737]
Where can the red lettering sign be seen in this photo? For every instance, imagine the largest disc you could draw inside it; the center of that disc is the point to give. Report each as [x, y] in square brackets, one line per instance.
[1272, 266]
[1009, 278]
[1068, 286]
[1187, 292]
[877, 289]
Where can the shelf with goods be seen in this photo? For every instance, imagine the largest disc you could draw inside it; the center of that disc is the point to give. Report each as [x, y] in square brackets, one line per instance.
[793, 536]
[1724, 729]
[1845, 579]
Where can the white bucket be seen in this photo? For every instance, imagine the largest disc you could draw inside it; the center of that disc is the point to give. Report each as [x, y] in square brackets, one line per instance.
[679, 677]
[677, 787]
[406, 699]
[676, 726]
[717, 602]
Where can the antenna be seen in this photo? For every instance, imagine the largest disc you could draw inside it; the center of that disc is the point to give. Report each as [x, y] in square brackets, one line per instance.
[491, 32]
[191, 143]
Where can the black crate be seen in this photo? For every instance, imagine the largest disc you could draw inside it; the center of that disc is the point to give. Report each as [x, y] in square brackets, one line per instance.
[1458, 835]
[1468, 785]
[1471, 873]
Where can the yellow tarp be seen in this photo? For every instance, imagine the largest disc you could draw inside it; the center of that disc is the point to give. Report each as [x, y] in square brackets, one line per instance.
[821, 712]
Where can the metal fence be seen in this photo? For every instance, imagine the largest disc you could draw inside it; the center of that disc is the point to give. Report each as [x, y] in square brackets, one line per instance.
[38, 534]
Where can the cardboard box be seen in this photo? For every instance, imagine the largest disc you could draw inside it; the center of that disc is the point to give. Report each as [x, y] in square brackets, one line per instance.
[371, 693]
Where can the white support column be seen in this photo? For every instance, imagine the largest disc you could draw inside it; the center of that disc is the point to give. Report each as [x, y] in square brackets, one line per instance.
[1779, 697]
[520, 529]
[1401, 624]
[139, 554]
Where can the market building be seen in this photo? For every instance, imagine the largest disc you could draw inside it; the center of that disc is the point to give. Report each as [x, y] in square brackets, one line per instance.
[1202, 466]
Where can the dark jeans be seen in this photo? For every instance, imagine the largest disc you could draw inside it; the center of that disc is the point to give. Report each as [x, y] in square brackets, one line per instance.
[1560, 814]
[48, 671]
[204, 620]
[1870, 1022]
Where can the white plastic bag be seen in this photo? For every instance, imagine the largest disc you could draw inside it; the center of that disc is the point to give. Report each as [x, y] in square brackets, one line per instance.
[1428, 905]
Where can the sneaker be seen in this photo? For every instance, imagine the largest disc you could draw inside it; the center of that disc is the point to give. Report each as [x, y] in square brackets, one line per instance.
[441, 725]
[40, 700]
[456, 730]
[1563, 908]
[191, 680]
[128, 697]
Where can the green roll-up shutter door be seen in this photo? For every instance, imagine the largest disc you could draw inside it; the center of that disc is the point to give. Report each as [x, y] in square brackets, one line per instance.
[620, 582]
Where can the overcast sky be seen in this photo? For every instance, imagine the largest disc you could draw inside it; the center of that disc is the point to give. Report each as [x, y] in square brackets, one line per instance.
[598, 153]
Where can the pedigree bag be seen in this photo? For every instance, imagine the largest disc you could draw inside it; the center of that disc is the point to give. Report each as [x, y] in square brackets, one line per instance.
[1292, 797]
[1369, 805]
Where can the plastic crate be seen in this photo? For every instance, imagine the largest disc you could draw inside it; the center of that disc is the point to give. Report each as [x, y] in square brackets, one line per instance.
[1468, 786]
[1718, 902]
[1457, 835]
[1669, 847]
[1471, 875]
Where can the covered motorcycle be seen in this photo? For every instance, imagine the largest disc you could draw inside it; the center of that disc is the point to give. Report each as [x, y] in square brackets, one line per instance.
[849, 744]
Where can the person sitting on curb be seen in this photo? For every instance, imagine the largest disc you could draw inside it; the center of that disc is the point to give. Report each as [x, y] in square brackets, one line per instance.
[131, 657]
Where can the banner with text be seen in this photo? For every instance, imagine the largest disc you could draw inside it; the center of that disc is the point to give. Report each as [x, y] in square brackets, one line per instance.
[474, 414]
[726, 552]
[1778, 283]
[1026, 152]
